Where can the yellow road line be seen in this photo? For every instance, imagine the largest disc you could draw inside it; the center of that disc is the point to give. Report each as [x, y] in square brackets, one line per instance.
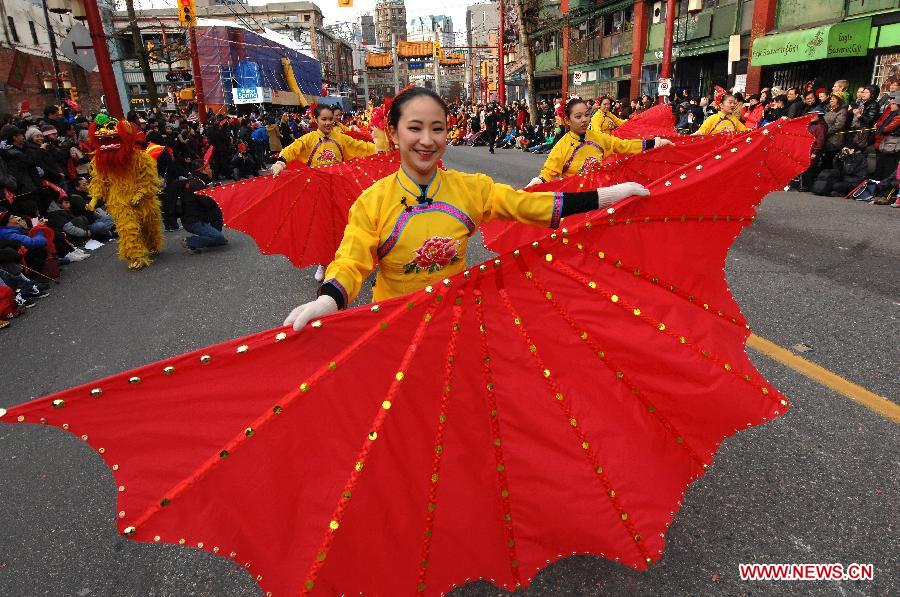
[870, 400]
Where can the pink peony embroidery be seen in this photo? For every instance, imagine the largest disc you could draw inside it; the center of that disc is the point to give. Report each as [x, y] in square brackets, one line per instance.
[590, 163]
[435, 254]
[327, 155]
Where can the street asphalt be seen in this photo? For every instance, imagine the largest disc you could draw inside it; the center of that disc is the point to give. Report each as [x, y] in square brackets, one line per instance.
[818, 485]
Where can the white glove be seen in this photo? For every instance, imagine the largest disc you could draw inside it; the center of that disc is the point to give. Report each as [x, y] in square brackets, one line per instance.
[278, 167]
[660, 142]
[534, 181]
[322, 306]
[606, 196]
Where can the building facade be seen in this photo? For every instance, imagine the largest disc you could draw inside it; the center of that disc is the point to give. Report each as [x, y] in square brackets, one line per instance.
[367, 29]
[432, 28]
[390, 19]
[614, 47]
[300, 22]
[25, 56]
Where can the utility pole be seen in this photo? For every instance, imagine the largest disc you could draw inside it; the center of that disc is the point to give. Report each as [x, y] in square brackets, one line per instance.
[396, 63]
[104, 65]
[60, 94]
[437, 66]
[501, 70]
[198, 78]
[666, 72]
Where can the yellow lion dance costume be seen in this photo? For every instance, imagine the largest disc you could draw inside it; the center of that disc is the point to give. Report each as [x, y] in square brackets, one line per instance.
[126, 178]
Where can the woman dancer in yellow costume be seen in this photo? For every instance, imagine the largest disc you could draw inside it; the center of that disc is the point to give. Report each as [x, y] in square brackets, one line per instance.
[415, 224]
[581, 147]
[322, 147]
[603, 120]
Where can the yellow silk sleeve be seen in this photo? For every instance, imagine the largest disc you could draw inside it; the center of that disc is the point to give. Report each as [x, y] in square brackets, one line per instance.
[298, 150]
[502, 202]
[355, 257]
[556, 159]
[354, 148]
[613, 144]
[738, 125]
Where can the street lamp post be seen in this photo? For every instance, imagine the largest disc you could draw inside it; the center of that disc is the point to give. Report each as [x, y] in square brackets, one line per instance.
[666, 72]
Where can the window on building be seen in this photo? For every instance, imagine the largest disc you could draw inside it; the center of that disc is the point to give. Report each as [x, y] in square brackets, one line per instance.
[34, 38]
[306, 17]
[629, 18]
[12, 29]
[607, 26]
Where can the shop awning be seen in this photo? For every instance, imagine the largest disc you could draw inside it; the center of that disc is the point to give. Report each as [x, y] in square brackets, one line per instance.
[840, 40]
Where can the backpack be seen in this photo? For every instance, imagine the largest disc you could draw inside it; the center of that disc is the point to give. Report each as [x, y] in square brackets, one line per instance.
[864, 191]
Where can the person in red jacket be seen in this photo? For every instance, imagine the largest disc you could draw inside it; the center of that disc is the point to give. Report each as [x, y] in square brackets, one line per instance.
[753, 112]
[888, 125]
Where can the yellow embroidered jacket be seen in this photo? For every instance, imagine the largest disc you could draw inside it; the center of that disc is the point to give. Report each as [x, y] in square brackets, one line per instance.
[721, 123]
[571, 152]
[605, 121]
[418, 236]
[317, 149]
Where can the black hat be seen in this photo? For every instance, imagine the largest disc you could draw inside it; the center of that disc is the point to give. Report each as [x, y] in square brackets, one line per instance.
[9, 131]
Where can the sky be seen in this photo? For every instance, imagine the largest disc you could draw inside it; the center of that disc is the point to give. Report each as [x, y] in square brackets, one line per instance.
[455, 9]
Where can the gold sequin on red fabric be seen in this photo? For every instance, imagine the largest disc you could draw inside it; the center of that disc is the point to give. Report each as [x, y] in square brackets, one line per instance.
[495, 422]
[375, 431]
[438, 450]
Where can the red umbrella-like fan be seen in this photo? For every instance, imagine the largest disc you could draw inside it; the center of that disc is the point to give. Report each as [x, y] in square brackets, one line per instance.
[302, 212]
[556, 400]
[657, 121]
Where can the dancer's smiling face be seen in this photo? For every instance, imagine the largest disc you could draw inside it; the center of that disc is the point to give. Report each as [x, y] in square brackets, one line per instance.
[325, 121]
[578, 117]
[421, 134]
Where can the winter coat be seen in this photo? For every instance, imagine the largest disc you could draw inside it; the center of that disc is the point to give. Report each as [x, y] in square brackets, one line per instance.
[19, 234]
[753, 116]
[888, 124]
[854, 167]
[261, 137]
[22, 168]
[795, 108]
[197, 208]
[61, 219]
[244, 164]
[44, 160]
[818, 129]
[836, 121]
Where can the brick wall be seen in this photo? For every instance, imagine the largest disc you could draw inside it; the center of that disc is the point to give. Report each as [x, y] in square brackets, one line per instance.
[88, 84]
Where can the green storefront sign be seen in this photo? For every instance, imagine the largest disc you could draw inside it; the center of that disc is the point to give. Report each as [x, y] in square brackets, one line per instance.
[840, 40]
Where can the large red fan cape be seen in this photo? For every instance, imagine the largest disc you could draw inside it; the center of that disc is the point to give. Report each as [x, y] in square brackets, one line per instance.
[556, 400]
[302, 212]
[657, 121]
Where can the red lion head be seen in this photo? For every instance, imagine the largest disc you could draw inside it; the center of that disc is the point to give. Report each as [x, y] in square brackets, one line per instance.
[114, 142]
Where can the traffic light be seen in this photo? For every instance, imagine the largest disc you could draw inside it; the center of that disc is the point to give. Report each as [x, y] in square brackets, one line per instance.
[73, 94]
[187, 13]
[437, 50]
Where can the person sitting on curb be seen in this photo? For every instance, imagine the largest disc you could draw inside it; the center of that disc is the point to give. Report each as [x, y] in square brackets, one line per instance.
[201, 217]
